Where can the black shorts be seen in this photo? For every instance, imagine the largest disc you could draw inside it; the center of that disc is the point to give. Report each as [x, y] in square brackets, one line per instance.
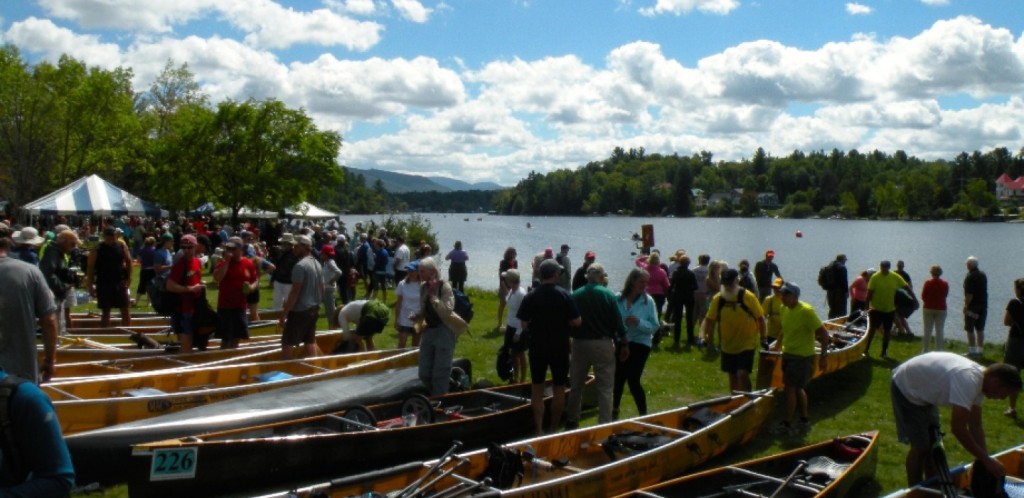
[797, 370]
[233, 324]
[733, 363]
[882, 320]
[253, 297]
[550, 355]
[974, 319]
[300, 328]
[516, 346]
[111, 296]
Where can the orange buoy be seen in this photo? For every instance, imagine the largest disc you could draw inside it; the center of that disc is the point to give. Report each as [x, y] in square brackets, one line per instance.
[799, 234]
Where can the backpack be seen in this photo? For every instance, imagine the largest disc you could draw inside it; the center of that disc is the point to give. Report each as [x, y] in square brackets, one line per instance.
[738, 302]
[12, 457]
[463, 306]
[825, 276]
[164, 303]
[504, 466]
[503, 363]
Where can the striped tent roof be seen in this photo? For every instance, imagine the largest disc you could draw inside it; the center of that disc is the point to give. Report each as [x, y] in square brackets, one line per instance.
[92, 195]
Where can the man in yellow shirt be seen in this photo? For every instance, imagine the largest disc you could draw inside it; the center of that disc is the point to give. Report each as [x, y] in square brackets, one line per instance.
[772, 306]
[741, 329]
[800, 327]
[882, 304]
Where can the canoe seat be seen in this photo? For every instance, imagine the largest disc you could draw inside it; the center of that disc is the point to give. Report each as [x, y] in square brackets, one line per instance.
[823, 466]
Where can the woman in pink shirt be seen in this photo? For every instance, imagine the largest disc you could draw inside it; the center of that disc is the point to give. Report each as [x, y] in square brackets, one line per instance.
[859, 294]
[933, 299]
[658, 284]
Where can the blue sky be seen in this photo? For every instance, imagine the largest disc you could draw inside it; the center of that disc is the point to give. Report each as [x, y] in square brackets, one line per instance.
[489, 90]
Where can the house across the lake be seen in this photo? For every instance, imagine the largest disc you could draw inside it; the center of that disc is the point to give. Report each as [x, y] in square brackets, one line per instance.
[1008, 190]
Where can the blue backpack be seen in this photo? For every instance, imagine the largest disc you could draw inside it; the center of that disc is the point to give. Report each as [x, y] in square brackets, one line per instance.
[463, 306]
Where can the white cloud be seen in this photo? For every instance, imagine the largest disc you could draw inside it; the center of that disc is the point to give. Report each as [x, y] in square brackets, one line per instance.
[132, 15]
[44, 37]
[935, 2]
[412, 10]
[355, 7]
[856, 9]
[681, 7]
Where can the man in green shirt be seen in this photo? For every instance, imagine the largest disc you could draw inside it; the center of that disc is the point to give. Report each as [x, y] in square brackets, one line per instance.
[800, 327]
[882, 304]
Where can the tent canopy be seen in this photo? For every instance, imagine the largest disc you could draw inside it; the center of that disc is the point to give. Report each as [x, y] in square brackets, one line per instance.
[307, 210]
[92, 196]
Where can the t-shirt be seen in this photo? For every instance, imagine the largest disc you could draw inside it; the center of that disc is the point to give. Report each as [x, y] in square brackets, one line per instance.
[940, 379]
[548, 309]
[162, 257]
[24, 298]
[514, 300]
[799, 325]
[308, 273]
[193, 276]
[738, 329]
[409, 293]
[1015, 308]
[772, 307]
[883, 291]
[933, 294]
[351, 313]
[976, 284]
[37, 434]
[402, 257]
[230, 296]
[601, 316]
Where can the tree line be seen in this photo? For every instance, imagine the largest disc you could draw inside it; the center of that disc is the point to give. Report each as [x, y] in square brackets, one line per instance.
[847, 184]
[169, 144]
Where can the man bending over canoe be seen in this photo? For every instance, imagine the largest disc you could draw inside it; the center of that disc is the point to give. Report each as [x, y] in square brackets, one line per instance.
[925, 382]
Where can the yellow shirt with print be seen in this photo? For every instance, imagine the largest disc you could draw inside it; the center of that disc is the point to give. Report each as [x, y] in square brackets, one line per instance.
[799, 325]
[737, 329]
[883, 290]
[772, 307]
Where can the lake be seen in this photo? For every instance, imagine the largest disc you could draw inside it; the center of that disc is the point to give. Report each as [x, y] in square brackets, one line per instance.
[865, 243]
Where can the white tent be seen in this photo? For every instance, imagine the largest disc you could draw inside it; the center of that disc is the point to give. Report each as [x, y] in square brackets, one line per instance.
[92, 196]
[307, 210]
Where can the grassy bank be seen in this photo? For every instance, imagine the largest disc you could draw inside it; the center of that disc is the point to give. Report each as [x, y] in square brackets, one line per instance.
[853, 400]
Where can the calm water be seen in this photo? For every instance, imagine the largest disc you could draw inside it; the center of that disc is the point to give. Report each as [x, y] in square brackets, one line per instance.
[919, 244]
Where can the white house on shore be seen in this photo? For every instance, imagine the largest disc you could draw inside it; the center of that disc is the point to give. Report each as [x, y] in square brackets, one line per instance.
[1009, 190]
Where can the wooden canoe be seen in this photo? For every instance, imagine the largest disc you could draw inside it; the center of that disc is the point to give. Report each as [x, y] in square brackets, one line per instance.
[603, 460]
[847, 344]
[1012, 459]
[830, 468]
[78, 415]
[317, 448]
[326, 341]
[104, 454]
[92, 319]
[203, 377]
[155, 331]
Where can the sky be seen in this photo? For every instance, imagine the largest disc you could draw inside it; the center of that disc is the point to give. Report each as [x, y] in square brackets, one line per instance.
[490, 90]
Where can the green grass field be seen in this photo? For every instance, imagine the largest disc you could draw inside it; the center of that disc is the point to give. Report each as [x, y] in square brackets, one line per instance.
[850, 401]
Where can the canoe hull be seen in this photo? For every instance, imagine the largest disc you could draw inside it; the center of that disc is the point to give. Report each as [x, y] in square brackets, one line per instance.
[589, 469]
[771, 470]
[1012, 459]
[269, 459]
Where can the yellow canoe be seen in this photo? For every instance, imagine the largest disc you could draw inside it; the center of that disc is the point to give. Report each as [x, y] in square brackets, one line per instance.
[603, 460]
[92, 352]
[78, 415]
[847, 344]
[90, 319]
[1012, 459]
[831, 468]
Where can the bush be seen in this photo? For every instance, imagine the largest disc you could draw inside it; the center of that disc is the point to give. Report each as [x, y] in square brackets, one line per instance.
[414, 228]
[802, 210]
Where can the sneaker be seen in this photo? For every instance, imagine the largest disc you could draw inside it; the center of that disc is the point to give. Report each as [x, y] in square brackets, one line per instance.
[781, 429]
[1010, 412]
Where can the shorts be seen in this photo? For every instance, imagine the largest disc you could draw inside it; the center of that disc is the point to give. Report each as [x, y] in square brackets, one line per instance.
[503, 292]
[550, 355]
[882, 320]
[912, 421]
[734, 362]
[300, 328]
[516, 346]
[974, 319]
[797, 370]
[111, 296]
[379, 281]
[1014, 352]
[233, 324]
[368, 327]
[183, 324]
[253, 297]
[402, 329]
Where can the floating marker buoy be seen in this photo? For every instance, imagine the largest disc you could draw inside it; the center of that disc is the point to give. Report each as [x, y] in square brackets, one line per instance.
[799, 234]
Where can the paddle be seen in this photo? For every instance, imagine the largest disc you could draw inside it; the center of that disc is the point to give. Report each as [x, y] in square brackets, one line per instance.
[945, 479]
[800, 467]
[441, 461]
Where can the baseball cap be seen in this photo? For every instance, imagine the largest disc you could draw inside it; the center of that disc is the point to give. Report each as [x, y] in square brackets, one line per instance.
[590, 255]
[188, 240]
[304, 240]
[233, 243]
[777, 283]
[327, 250]
[549, 268]
[729, 276]
[565, 247]
[415, 266]
[790, 288]
[165, 236]
[549, 253]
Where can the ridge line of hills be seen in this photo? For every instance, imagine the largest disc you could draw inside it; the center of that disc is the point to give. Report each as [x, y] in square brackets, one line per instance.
[398, 183]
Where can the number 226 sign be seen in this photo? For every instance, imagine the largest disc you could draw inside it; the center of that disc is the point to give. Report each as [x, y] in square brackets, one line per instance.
[175, 463]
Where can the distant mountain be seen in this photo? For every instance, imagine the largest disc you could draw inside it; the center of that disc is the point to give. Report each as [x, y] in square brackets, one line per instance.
[398, 183]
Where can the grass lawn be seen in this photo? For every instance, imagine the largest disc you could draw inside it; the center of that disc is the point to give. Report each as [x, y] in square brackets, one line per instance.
[853, 400]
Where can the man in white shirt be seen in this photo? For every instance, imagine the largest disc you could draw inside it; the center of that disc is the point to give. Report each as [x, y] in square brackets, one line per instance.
[925, 382]
[401, 259]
